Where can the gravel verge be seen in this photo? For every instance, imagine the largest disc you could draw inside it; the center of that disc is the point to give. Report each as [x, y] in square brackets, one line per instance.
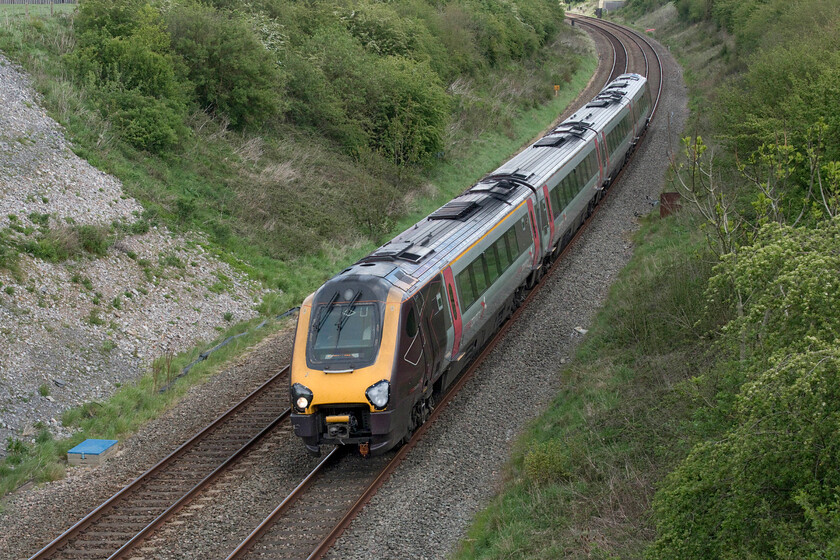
[426, 507]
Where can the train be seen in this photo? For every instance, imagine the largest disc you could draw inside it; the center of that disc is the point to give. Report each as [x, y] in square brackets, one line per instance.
[379, 342]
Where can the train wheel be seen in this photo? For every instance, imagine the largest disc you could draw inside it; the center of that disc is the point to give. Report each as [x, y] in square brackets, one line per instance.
[419, 414]
[518, 297]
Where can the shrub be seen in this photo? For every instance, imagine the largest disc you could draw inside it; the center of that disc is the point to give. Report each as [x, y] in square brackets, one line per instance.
[93, 239]
[8, 255]
[146, 122]
[409, 110]
[123, 56]
[769, 487]
[233, 75]
[548, 462]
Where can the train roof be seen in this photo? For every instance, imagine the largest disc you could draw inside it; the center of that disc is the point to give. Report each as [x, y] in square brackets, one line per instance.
[419, 253]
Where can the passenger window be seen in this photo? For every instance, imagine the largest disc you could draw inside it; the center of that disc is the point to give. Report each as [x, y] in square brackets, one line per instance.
[502, 253]
[466, 288]
[511, 245]
[523, 235]
[494, 268]
[555, 201]
[480, 276]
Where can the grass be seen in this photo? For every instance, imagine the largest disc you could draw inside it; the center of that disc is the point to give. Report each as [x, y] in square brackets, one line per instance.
[580, 478]
[34, 10]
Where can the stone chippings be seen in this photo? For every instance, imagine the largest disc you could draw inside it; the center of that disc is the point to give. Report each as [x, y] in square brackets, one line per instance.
[172, 294]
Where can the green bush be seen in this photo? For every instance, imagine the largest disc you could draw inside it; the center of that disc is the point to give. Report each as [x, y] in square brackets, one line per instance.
[548, 462]
[66, 242]
[767, 485]
[409, 110]
[146, 122]
[233, 75]
[381, 30]
[123, 57]
[768, 489]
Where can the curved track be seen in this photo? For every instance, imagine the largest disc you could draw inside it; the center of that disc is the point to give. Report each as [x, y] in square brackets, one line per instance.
[641, 57]
[310, 519]
[118, 525]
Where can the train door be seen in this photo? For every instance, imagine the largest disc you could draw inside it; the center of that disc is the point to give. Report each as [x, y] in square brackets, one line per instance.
[434, 325]
[414, 346]
[452, 301]
[600, 161]
[550, 212]
[535, 233]
[545, 218]
[605, 157]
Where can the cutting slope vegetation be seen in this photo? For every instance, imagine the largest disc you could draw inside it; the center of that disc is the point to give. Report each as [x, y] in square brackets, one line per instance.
[702, 415]
[287, 129]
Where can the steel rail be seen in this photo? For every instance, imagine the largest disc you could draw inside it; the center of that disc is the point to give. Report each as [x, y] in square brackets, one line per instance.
[293, 497]
[97, 513]
[612, 39]
[206, 481]
[644, 39]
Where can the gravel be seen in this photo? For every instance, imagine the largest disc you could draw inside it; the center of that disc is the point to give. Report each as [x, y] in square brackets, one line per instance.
[74, 331]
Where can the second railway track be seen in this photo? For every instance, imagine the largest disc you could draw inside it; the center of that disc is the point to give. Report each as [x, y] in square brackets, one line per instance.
[114, 528]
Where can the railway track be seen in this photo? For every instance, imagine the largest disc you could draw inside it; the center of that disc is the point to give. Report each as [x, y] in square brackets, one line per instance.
[118, 525]
[306, 522]
[640, 58]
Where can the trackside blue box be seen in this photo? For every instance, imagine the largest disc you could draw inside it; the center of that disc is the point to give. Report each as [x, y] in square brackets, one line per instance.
[91, 451]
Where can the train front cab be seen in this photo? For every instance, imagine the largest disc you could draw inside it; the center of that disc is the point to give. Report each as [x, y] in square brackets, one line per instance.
[342, 390]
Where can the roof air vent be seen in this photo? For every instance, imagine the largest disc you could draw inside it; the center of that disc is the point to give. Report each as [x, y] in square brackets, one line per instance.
[455, 210]
[550, 141]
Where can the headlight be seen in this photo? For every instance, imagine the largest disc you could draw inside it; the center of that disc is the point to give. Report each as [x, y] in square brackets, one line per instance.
[378, 394]
[301, 397]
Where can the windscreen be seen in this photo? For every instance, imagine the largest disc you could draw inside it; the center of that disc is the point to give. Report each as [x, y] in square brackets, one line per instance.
[344, 332]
